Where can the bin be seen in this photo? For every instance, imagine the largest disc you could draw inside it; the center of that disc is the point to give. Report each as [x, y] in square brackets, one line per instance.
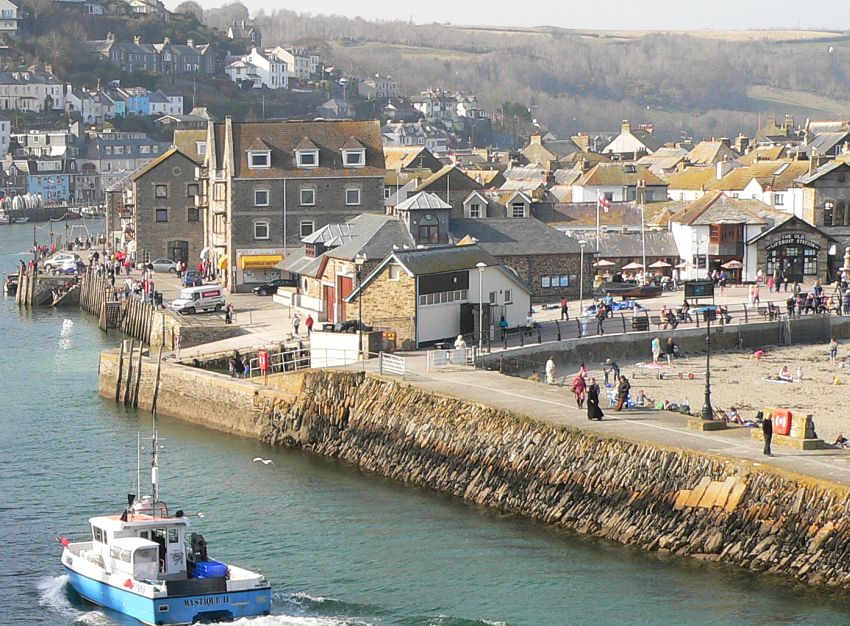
[782, 422]
[640, 323]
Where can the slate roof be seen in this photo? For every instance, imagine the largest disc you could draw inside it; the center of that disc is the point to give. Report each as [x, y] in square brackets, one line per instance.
[399, 158]
[823, 143]
[423, 201]
[663, 159]
[828, 167]
[152, 164]
[186, 142]
[284, 137]
[629, 245]
[461, 181]
[717, 208]
[549, 150]
[764, 153]
[616, 175]
[710, 153]
[514, 237]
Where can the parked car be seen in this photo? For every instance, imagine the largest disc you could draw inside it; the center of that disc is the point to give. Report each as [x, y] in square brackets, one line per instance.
[192, 278]
[58, 260]
[194, 299]
[270, 288]
[71, 267]
[164, 265]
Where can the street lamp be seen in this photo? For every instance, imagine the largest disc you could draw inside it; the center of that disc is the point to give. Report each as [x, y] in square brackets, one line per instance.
[359, 260]
[707, 413]
[581, 243]
[480, 266]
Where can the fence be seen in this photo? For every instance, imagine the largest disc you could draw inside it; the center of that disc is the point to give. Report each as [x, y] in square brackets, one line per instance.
[443, 358]
[132, 316]
[391, 364]
[306, 358]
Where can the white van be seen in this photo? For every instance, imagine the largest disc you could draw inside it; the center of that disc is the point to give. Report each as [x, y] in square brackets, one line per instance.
[203, 298]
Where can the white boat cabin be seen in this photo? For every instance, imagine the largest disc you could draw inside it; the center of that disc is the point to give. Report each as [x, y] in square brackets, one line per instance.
[147, 547]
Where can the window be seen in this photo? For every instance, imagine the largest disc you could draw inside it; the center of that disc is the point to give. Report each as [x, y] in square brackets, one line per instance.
[219, 191]
[714, 233]
[161, 191]
[352, 197]
[193, 214]
[394, 271]
[827, 212]
[144, 149]
[810, 261]
[307, 158]
[779, 199]
[97, 534]
[429, 234]
[354, 158]
[162, 215]
[475, 210]
[192, 190]
[108, 150]
[261, 197]
[509, 296]
[261, 230]
[491, 297]
[445, 297]
[308, 196]
[201, 147]
[518, 209]
[259, 159]
[155, 149]
[306, 227]
[839, 215]
[119, 150]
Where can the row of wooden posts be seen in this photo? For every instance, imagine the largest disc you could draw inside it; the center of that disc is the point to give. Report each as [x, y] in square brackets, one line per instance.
[132, 316]
[129, 378]
[27, 280]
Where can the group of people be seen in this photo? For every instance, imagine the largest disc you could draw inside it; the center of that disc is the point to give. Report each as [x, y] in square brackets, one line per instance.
[239, 366]
[296, 324]
[669, 350]
[586, 390]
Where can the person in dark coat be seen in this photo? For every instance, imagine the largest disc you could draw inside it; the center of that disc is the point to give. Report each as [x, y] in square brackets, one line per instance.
[593, 410]
[767, 431]
[622, 393]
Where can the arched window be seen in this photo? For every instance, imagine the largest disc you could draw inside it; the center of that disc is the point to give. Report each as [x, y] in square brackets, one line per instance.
[827, 212]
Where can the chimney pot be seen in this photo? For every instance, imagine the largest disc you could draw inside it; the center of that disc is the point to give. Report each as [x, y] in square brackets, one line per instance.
[625, 127]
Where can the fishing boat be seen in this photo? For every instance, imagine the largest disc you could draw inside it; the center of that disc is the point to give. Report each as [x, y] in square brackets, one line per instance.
[139, 563]
[5, 219]
[630, 290]
[20, 220]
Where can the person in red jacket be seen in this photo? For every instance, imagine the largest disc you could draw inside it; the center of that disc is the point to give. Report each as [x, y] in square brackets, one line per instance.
[309, 323]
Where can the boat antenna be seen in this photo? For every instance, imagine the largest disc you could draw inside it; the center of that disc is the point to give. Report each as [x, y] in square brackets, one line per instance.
[154, 445]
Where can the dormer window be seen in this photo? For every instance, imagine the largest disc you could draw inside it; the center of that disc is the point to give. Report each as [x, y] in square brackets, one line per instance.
[259, 159]
[354, 158]
[518, 209]
[307, 158]
[475, 210]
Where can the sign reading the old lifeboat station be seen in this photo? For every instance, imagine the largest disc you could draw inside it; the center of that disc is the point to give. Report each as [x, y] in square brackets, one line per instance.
[793, 239]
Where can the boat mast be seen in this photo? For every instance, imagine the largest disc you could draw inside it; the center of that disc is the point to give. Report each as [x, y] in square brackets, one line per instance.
[154, 444]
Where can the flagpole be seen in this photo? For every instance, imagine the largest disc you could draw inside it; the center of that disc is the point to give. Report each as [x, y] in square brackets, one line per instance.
[597, 224]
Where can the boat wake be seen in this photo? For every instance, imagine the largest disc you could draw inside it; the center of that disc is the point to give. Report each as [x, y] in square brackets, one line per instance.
[296, 620]
[53, 596]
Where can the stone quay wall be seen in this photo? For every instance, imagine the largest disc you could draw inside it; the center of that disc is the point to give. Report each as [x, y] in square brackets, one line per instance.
[665, 500]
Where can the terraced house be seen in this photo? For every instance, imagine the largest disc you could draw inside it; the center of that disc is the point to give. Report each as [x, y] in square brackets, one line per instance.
[269, 184]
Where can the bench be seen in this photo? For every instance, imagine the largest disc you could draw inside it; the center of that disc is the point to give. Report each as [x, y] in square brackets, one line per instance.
[656, 321]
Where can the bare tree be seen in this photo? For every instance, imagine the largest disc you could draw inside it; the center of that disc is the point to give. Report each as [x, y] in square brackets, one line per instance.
[192, 8]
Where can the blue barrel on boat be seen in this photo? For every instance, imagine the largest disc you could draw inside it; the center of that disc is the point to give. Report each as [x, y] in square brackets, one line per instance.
[209, 569]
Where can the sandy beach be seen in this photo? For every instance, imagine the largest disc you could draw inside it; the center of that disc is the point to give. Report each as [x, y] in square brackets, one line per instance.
[739, 380]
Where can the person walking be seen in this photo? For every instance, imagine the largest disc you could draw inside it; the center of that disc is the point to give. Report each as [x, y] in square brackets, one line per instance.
[622, 393]
[228, 314]
[296, 322]
[601, 314]
[579, 389]
[593, 410]
[670, 351]
[767, 431]
[655, 347]
[565, 309]
[309, 323]
[550, 371]
[833, 351]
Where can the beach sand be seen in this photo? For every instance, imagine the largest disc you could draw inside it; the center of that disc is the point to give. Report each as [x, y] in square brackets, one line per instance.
[738, 379]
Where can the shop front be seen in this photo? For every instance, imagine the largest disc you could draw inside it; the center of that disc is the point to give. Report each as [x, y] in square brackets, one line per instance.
[257, 267]
[796, 249]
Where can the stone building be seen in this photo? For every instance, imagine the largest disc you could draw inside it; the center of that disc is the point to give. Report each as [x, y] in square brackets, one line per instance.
[545, 259]
[802, 252]
[167, 221]
[826, 200]
[269, 184]
[432, 294]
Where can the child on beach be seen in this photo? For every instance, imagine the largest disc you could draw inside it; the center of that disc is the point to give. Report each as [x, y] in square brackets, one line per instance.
[833, 351]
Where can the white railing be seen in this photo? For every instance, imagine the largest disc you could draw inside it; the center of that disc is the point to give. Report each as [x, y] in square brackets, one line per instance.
[391, 364]
[444, 358]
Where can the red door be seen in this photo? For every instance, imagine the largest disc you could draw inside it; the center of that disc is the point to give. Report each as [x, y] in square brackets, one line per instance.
[329, 300]
[346, 286]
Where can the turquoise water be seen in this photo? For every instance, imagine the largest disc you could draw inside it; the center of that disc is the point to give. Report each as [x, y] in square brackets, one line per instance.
[341, 547]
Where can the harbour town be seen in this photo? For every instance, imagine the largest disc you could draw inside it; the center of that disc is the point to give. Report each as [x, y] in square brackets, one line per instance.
[329, 320]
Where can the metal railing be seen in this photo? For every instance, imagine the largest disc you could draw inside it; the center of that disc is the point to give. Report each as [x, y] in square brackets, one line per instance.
[307, 358]
[391, 364]
[442, 358]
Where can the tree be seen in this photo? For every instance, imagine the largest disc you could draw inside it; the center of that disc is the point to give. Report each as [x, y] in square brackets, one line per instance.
[36, 9]
[192, 8]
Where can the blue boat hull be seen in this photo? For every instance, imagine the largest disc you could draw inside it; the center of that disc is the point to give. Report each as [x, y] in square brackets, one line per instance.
[172, 610]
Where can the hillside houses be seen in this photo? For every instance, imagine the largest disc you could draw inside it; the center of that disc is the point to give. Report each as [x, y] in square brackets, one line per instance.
[155, 58]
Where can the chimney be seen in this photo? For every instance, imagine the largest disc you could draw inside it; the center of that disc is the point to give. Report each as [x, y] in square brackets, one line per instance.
[137, 40]
[789, 122]
[814, 161]
[190, 43]
[536, 139]
[742, 143]
[724, 167]
[582, 141]
[625, 127]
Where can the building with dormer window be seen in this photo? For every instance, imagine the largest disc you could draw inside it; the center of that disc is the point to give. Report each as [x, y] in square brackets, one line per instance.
[270, 184]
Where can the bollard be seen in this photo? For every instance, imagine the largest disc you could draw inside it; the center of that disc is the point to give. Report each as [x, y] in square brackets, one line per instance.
[558, 326]
[539, 338]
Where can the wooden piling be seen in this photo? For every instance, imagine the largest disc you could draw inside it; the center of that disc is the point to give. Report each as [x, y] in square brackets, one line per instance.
[129, 374]
[138, 378]
[120, 370]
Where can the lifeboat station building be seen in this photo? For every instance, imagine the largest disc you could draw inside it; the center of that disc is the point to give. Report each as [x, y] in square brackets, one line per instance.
[802, 252]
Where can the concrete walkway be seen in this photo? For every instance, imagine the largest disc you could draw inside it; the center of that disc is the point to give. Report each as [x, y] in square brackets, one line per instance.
[555, 405]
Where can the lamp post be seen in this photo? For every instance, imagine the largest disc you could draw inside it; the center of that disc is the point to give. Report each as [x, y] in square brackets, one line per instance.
[643, 240]
[706, 407]
[359, 259]
[581, 244]
[480, 266]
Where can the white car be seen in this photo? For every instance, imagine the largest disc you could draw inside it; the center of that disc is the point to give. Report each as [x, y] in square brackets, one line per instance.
[59, 260]
[164, 265]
